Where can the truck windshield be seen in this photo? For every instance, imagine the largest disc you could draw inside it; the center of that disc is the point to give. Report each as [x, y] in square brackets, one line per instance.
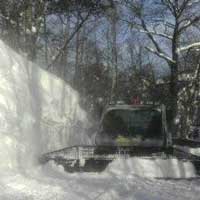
[146, 124]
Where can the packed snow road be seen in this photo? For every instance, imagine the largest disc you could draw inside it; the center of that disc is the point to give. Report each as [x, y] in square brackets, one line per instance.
[50, 182]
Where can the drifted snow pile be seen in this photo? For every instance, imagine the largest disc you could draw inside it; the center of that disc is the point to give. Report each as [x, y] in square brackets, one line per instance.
[38, 113]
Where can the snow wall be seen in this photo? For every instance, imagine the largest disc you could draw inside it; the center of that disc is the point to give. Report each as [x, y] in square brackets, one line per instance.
[38, 112]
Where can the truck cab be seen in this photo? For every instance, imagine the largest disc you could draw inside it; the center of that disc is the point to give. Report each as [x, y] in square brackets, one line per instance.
[133, 125]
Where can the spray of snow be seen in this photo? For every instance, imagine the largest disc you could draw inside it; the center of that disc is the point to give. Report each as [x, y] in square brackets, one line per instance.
[39, 113]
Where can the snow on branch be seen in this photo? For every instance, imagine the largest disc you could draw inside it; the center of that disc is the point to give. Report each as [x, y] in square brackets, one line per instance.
[150, 36]
[158, 51]
[161, 55]
[190, 46]
[158, 34]
[193, 2]
[189, 23]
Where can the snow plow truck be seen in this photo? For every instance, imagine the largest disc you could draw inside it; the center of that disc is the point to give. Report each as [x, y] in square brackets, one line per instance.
[126, 131]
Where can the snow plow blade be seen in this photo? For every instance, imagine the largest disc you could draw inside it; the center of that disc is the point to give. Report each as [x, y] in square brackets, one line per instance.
[96, 159]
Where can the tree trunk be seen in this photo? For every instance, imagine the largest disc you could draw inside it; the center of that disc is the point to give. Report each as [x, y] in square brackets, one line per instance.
[174, 96]
[174, 81]
[46, 38]
[77, 67]
[114, 57]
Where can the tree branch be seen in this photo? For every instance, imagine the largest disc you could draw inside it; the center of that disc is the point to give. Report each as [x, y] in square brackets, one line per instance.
[68, 40]
[190, 46]
[169, 5]
[189, 23]
[182, 7]
[161, 55]
[158, 50]
[157, 34]
[150, 36]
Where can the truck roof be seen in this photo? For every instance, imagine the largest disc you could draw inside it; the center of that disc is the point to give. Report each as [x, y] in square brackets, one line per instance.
[131, 107]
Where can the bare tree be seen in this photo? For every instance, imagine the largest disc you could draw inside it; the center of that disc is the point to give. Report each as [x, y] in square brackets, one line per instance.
[114, 54]
[166, 21]
[84, 9]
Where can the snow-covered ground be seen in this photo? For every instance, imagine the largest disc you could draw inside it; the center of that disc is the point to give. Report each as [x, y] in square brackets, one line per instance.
[39, 113]
[51, 183]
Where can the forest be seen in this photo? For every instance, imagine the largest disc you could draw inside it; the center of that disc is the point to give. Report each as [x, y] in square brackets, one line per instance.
[114, 50]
